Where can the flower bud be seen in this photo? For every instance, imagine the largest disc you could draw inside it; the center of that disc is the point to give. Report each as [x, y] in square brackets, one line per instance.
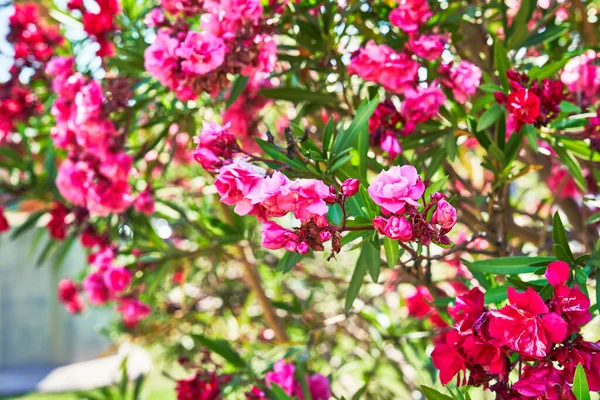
[302, 248]
[379, 223]
[398, 228]
[444, 215]
[324, 236]
[350, 187]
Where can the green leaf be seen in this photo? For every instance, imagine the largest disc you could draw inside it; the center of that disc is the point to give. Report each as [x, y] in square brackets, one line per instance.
[501, 63]
[360, 270]
[518, 30]
[560, 236]
[288, 261]
[363, 150]
[348, 138]
[550, 34]
[328, 134]
[490, 116]
[392, 251]
[531, 136]
[579, 148]
[580, 384]
[432, 394]
[569, 108]
[548, 70]
[298, 95]
[508, 265]
[572, 165]
[278, 392]
[28, 224]
[237, 87]
[222, 348]
[371, 255]
[512, 147]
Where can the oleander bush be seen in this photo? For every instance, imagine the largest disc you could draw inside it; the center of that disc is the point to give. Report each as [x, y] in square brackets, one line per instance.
[319, 199]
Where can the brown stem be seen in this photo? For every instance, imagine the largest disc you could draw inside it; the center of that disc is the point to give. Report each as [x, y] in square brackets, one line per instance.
[587, 29]
[253, 278]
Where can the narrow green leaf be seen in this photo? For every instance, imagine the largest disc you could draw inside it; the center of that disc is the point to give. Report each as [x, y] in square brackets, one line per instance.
[560, 236]
[237, 87]
[570, 108]
[512, 147]
[278, 392]
[392, 251]
[432, 394]
[508, 265]
[572, 165]
[222, 348]
[328, 134]
[348, 138]
[580, 384]
[363, 150]
[501, 63]
[371, 255]
[548, 70]
[288, 261]
[360, 270]
[550, 34]
[490, 116]
[518, 30]
[531, 136]
[28, 224]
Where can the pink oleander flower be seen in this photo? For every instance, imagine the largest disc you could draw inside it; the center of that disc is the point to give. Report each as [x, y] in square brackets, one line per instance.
[319, 387]
[524, 106]
[526, 325]
[133, 311]
[154, 18]
[430, 47]
[422, 104]
[573, 305]
[379, 223]
[463, 79]
[73, 180]
[305, 197]
[368, 60]
[67, 289]
[447, 359]
[543, 381]
[582, 75]
[283, 376]
[106, 198]
[275, 237]
[350, 187]
[398, 228]
[379, 63]
[444, 215]
[558, 273]
[103, 258]
[95, 288]
[236, 181]
[215, 143]
[160, 59]
[201, 52]
[467, 309]
[399, 73]
[265, 198]
[419, 303]
[144, 203]
[117, 279]
[393, 189]
[410, 15]
[391, 145]
[266, 58]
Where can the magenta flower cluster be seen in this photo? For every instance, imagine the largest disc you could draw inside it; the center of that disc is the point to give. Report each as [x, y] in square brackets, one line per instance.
[234, 40]
[539, 337]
